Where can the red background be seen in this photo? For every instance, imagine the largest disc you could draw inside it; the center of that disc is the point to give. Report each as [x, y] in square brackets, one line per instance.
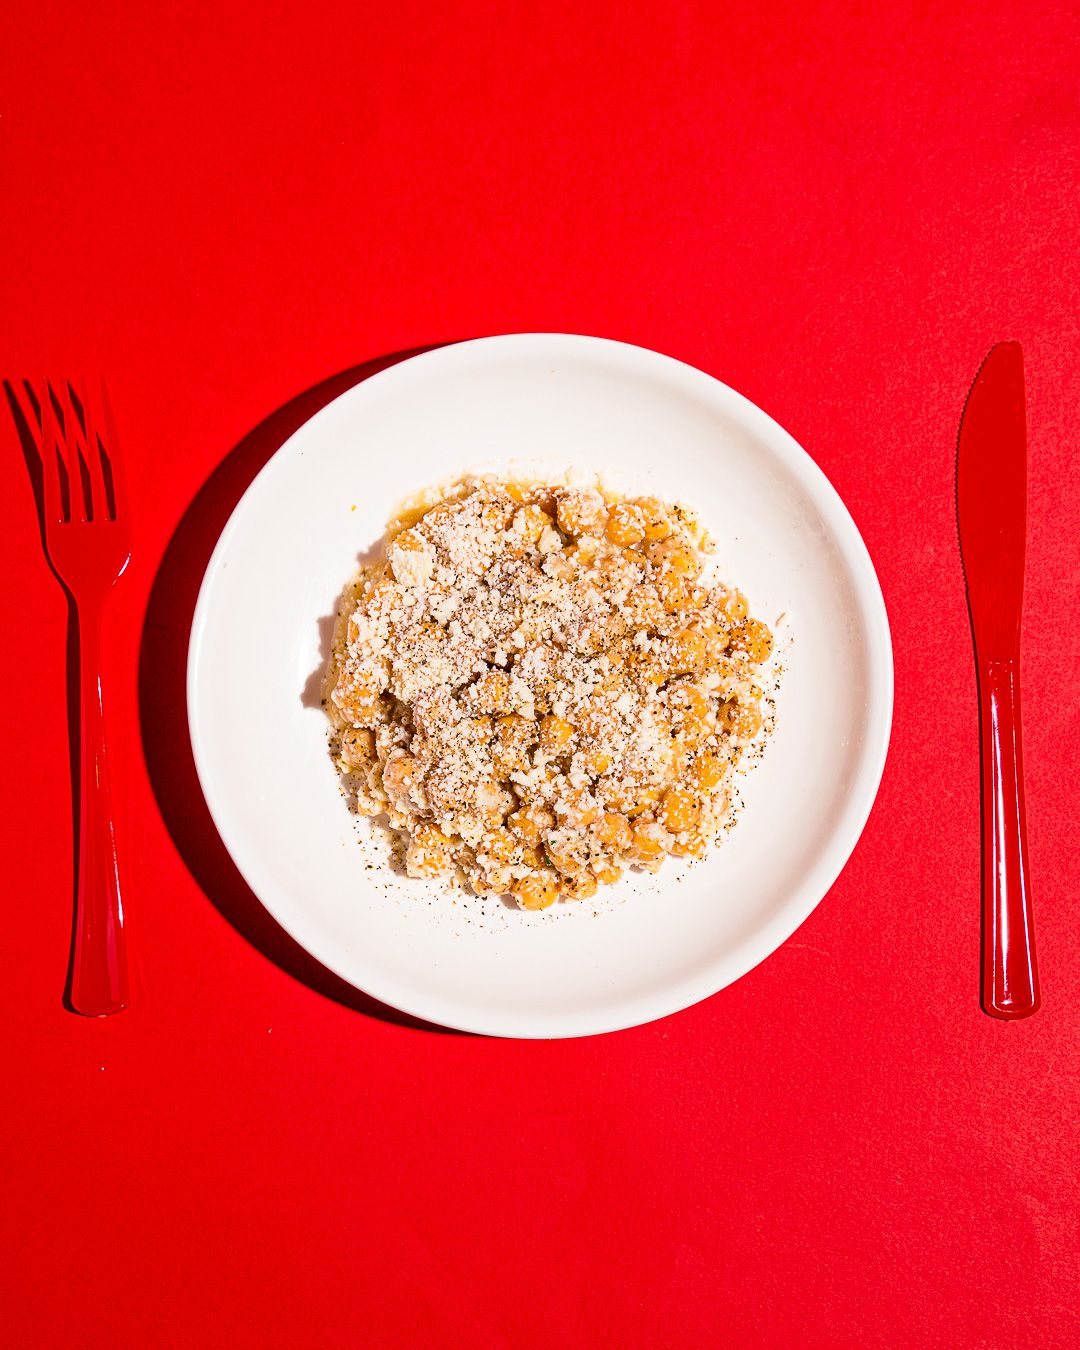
[836, 208]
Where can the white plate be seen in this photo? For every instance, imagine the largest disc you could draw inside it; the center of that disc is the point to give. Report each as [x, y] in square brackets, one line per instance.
[651, 945]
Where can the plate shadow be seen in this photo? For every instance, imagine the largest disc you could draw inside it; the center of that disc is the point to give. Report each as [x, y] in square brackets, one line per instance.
[163, 697]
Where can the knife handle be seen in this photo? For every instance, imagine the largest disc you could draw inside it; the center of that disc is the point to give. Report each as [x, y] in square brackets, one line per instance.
[1010, 986]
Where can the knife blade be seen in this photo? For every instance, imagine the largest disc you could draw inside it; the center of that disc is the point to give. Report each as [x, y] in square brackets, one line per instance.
[991, 500]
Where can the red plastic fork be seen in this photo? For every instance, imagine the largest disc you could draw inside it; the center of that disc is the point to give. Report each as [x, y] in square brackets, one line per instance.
[89, 542]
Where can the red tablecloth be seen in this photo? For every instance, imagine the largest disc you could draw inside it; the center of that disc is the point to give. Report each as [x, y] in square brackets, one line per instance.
[836, 209]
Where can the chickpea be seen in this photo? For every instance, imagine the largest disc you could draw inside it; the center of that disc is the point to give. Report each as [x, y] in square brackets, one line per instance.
[443, 791]
[625, 524]
[378, 592]
[726, 673]
[546, 783]
[411, 558]
[538, 891]
[449, 506]
[647, 667]
[679, 811]
[688, 700]
[685, 562]
[644, 609]
[529, 524]
[708, 770]
[399, 775]
[583, 886]
[580, 513]
[357, 747]
[691, 846]
[410, 541]
[478, 729]
[358, 695]
[644, 800]
[496, 513]
[514, 735]
[490, 883]
[516, 732]
[754, 638]
[529, 823]
[716, 637]
[674, 592]
[563, 856]
[687, 652]
[555, 734]
[616, 570]
[648, 842]
[547, 499]
[613, 832]
[657, 524]
[596, 719]
[597, 761]
[630, 800]
[693, 731]
[507, 762]
[585, 550]
[741, 719]
[492, 803]
[372, 715]
[424, 863]
[579, 806]
[491, 692]
[675, 555]
[429, 836]
[499, 845]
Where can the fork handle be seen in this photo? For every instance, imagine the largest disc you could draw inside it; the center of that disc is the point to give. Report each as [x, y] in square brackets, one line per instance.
[1010, 970]
[99, 975]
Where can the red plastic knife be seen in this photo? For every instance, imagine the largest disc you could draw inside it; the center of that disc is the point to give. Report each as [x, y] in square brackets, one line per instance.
[991, 495]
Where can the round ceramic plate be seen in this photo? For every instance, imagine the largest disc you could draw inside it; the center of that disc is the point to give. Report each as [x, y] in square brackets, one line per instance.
[650, 944]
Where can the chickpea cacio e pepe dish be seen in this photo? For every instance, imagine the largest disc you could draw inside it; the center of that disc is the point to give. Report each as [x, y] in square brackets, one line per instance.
[538, 686]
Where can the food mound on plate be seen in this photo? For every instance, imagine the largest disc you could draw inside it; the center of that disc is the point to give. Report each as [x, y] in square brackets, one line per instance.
[539, 685]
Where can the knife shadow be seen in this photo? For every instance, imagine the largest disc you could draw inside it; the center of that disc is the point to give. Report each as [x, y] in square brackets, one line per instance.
[163, 697]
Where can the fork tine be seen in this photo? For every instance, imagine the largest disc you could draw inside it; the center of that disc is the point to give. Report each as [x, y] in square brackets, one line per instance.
[82, 502]
[100, 495]
[67, 450]
[112, 460]
[50, 467]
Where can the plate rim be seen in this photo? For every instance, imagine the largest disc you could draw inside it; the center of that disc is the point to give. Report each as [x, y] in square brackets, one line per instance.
[859, 567]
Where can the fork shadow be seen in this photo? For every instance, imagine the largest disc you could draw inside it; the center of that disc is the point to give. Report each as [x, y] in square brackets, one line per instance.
[24, 406]
[163, 697]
